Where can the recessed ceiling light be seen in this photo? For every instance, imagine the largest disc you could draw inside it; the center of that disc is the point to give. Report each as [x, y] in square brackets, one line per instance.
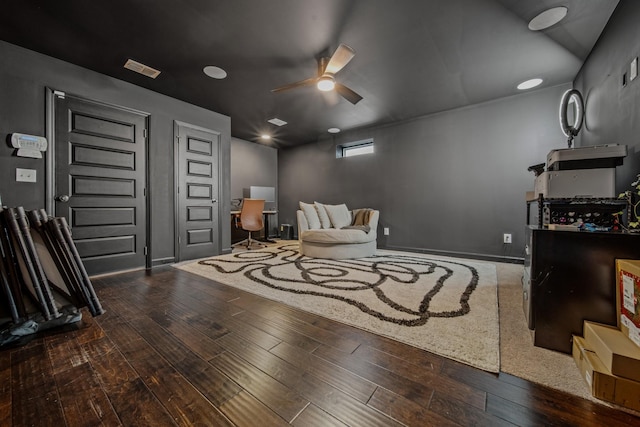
[548, 18]
[265, 137]
[215, 72]
[276, 121]
[529, 84]
[333, 130]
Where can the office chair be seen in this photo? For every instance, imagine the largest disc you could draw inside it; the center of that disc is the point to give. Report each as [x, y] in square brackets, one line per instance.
[250, 219]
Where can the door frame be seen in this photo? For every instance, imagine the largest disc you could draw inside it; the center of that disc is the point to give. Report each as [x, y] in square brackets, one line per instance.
[50, 163]
[176, 184]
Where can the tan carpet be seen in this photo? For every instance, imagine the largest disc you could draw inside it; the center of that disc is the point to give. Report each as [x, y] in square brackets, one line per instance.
[521, 358]
[518, 355]
[414, 298]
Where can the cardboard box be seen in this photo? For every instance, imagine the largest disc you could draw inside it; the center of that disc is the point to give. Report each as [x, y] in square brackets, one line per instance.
[563, 227]
[593, 371]
[602, 383]
[615, 350]
[530, 196]
[628, 296]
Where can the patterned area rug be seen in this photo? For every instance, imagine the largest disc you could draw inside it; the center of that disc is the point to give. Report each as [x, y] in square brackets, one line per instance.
[447, 306]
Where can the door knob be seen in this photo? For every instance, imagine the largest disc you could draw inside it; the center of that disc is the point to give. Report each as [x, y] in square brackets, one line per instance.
[64, 198]
[214, 201]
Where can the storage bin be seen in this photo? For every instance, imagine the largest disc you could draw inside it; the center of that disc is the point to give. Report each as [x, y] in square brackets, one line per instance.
[286, 232]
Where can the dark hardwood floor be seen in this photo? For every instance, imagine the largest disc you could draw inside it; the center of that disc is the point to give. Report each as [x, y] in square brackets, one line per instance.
[177, 349]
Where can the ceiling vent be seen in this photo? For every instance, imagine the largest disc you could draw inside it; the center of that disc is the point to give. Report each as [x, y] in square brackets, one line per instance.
[276, 121]
[141, 68]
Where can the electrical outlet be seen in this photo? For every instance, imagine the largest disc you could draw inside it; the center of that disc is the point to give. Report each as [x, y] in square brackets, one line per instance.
[506, 238]
[386, 231]
[25, 175]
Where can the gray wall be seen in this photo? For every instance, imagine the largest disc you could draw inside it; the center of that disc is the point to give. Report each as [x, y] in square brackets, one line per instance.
[613, 111]
[452, 182]
[24, 75]
[253, 164]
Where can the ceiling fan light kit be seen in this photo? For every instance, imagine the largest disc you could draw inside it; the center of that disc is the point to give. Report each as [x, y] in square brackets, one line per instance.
[326, 83]
[325, 80]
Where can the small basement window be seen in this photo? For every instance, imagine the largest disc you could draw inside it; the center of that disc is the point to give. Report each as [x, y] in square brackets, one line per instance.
[356, 148]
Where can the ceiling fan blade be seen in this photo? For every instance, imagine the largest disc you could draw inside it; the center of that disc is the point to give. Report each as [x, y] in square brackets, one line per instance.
[307, 82]
[348, 94]
[339, 59]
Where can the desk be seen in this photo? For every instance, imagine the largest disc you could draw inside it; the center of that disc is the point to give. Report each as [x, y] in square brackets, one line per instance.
[570, 277]
[265, 215]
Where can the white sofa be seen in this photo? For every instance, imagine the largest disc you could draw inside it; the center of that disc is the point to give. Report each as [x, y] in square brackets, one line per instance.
[337, 243]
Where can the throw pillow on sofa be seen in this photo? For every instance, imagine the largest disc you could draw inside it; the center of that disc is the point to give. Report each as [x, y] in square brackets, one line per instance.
[339, 215]
[311, 214]
[325, 222]
[361, 216]
[361, 219]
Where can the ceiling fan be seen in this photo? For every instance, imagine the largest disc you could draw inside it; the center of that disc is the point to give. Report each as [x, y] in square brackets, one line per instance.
[327, 69]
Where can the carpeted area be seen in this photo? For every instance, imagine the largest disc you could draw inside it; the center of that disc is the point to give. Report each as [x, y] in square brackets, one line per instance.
[518, 355]
[503, 331]
[414, 298]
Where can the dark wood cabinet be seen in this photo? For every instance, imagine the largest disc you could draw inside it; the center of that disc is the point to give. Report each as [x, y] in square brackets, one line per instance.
[570, 277]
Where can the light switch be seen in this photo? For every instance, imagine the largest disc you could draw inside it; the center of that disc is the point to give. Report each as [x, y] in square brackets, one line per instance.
[25, 175]
[633, 69]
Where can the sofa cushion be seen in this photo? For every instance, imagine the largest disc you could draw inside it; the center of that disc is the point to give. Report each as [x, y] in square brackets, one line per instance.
[325, 222]
[339, 215]
[311, 214]
[335, 236]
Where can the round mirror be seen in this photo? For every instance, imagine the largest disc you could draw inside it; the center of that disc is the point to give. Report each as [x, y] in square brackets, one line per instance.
[571, 114]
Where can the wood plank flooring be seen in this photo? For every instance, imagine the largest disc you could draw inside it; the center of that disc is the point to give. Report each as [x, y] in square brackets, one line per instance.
[178, 349]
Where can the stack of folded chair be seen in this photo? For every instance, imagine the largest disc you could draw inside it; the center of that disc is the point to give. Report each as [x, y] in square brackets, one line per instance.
[43, 282]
